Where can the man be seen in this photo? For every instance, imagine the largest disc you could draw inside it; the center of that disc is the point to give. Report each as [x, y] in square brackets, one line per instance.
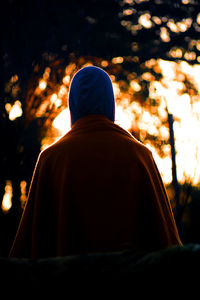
[97, 189]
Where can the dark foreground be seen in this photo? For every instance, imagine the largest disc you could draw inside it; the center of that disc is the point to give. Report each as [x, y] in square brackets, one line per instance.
[175, 268]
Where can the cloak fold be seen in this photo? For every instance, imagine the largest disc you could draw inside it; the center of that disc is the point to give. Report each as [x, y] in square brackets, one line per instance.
[97, 189]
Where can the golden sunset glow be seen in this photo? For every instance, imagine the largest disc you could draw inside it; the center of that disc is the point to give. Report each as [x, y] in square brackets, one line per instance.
[117, 60]
[14, 110]
[7, 198]
[185, 109]
[42, 84]
[23, 196]
[54, 100]
[164, 34]
[62, 122]
[145, 20]
[171, 95]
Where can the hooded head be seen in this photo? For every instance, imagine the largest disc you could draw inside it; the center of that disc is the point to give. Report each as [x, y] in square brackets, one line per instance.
[91, 93]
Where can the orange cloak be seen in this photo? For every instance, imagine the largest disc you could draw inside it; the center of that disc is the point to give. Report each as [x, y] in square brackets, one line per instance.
[97, 189]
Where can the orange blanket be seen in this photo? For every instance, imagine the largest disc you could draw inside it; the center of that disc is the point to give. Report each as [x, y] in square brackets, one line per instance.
[97, 189]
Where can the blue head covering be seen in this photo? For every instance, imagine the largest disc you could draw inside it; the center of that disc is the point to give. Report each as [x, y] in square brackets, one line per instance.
[91, 93]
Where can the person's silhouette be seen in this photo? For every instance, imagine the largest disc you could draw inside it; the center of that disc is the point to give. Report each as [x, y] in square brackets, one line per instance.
[97, 189]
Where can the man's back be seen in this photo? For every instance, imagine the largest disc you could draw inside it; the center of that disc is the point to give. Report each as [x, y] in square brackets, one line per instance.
[97, 190]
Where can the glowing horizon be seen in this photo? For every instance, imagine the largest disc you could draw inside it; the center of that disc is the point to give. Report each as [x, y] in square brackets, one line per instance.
[170, 92]
[168, 89]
